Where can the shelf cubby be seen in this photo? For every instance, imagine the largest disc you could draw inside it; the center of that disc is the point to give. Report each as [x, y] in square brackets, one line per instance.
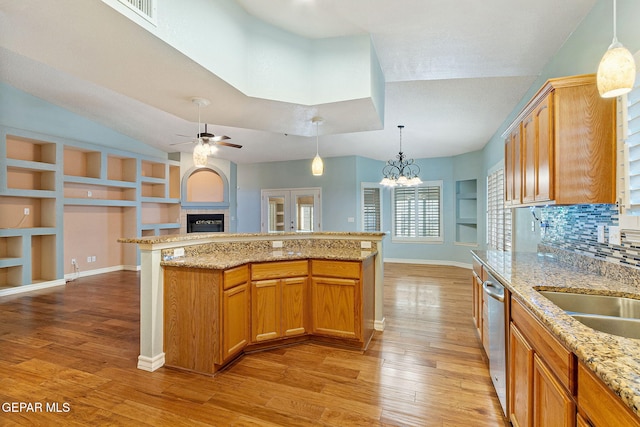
[153, 190]
[121, 169]
[10, 277]
[153, 169]
[19, 148]
[19, 178]
[98, 192]
[174, 182]
[10, 247]
[42, 212]
[160, 213]
[43, 265]
[466, 212]
[79, 162]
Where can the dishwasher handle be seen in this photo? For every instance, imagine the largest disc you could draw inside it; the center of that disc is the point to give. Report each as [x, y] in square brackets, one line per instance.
[494, 291]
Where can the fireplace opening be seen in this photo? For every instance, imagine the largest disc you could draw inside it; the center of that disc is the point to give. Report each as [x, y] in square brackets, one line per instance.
[205, 223]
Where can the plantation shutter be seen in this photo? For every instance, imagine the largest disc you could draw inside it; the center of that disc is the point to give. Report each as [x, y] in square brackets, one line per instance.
[371, 213]
[417, 212]
[633, 146]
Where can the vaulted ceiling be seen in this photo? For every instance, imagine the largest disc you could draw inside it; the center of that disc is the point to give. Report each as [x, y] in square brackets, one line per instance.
[453, 70]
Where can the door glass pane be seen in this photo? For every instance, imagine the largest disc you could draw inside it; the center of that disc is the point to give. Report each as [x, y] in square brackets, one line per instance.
[304, 213]
[276, 214]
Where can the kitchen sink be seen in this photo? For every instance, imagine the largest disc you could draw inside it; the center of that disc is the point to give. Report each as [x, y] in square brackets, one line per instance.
[613, 315]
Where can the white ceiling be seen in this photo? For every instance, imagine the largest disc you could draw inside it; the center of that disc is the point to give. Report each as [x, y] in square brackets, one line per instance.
[454, 70]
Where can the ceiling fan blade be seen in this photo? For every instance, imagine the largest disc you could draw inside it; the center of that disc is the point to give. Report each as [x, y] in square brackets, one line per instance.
[182, 143]
[227, 144]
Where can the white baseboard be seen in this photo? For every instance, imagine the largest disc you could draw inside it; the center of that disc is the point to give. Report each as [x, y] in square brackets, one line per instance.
[31, 287]
[150, 364]
[132, 267]
[429, 262]
[87, 273]
[378, 325]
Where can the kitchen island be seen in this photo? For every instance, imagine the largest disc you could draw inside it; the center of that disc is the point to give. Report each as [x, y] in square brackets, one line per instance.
[612, 360]
[341, 269]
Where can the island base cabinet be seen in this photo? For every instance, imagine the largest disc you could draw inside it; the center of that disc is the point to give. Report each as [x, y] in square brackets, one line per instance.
[191, 318]
[599, 405]
[552, 405]
[521, 383]
[294, 298]
[235, 320]
[334, 307]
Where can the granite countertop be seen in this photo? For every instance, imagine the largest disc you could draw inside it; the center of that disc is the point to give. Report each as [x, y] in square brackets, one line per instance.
[224, 260]
[616, 360]
[225, 236]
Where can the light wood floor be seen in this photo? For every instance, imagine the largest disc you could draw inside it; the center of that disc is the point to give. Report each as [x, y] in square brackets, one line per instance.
[78, 345]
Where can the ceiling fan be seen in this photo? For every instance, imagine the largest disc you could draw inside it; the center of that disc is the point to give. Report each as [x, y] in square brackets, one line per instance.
[206, 137]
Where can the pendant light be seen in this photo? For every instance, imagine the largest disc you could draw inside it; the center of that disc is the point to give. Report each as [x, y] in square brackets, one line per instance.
[617, 69]
[202, 150]
[317, 166]
[401, 172]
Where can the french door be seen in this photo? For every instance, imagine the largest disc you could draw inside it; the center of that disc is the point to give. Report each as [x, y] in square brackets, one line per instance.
[291, 210]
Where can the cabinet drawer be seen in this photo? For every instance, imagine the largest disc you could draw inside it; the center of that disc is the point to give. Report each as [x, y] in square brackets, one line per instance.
[600, 404]
[341, 269]
[235, 276]
[560, 361]
[276, 270]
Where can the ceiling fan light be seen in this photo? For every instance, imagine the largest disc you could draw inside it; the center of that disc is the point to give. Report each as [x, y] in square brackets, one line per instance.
[616, 72]
[317, 166]
[200, 153]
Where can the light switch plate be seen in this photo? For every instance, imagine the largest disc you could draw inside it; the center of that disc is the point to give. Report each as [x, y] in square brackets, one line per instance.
[177, 252]
[365, 245]
[601, 233]
[277, 243]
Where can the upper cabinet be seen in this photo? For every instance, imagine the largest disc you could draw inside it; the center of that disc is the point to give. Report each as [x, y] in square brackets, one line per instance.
[561, 148]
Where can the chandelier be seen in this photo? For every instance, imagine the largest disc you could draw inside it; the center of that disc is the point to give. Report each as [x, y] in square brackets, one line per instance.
[403, 172]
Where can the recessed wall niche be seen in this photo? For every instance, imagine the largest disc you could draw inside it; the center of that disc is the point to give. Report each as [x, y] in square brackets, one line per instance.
[205, 185]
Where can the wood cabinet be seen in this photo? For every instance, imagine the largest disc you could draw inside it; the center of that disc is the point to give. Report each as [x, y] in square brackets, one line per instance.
[338, 307]
[541, 374]
[206, 316]
[480, 304]
[234, 312]
[561, 148]
[599, 405]
[279, 300]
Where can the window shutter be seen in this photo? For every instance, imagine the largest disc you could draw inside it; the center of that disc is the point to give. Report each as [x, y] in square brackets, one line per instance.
[633, 146]
[498, 218]
[371, 212]
[404, 213]
[428, 211]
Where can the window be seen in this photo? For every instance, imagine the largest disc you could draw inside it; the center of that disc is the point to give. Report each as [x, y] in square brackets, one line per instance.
[417, 212]
[371, 207]
[498, 217]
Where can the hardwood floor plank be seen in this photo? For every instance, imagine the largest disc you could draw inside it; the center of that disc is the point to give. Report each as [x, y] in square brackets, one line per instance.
[78, 344]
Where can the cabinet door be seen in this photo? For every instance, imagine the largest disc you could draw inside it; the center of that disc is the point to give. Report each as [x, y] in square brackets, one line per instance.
[294, 291]
[529, 154]
[552, 405]
[513, 168]
[543, 115]
[265, 302]
[235, 320]
[520, 379]
[334, 307]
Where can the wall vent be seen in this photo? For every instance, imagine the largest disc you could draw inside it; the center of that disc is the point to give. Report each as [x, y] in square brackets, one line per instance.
[144, 8]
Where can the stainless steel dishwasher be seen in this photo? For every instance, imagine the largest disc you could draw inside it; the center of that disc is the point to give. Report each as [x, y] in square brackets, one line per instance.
[494, 293]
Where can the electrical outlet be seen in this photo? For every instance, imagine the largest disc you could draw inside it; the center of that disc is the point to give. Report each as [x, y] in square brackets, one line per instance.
[93, 258]
[277, 243]
[88, 259]
[178, 252]
[27, 211]
[614, 236]
[365, 245]
[73, 261]
[89, 194]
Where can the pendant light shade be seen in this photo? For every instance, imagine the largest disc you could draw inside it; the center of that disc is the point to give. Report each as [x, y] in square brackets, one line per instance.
[317, 166]
[617, 69]
[200, 153]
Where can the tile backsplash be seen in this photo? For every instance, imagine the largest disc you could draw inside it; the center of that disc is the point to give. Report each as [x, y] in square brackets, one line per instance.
[574, 228]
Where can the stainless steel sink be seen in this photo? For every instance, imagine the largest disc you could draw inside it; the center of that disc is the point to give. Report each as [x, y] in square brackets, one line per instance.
[613, 315]
[595, 304]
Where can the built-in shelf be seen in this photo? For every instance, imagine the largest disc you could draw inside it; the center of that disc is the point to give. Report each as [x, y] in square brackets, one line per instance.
[50, 185]
[466, 212]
